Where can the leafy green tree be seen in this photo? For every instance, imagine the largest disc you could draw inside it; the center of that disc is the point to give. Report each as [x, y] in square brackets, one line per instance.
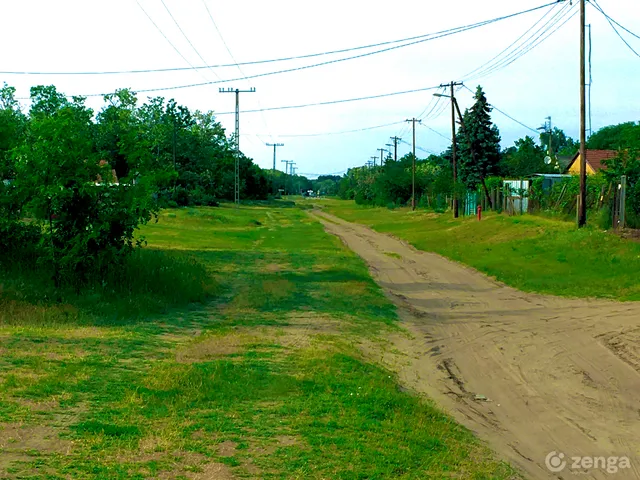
[616, 137]
[525, 158]
[560, 143]
[479, 144]
[87, 227]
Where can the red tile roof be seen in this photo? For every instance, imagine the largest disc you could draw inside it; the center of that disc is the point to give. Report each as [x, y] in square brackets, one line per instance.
[595, 158]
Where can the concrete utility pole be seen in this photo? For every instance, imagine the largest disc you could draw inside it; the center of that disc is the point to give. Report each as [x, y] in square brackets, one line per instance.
[289, 164]
[382, 150]
[395, 147]
[413, 172]
[582, 212]
[454, 153]
[236, 194]
[389, 145]
[275, 146]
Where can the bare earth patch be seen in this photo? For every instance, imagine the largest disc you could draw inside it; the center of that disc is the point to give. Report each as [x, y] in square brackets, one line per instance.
[300, 332]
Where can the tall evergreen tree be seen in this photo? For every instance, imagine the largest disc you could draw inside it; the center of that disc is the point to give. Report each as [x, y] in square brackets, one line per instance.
[479, 144]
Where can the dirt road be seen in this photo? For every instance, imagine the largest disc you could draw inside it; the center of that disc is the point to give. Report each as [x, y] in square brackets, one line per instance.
[530, 374]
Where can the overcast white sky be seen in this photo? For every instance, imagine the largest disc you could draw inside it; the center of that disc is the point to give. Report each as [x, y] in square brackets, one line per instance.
[81, 35]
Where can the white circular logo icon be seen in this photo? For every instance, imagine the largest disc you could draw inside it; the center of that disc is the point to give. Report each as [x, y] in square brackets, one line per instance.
[555, 462]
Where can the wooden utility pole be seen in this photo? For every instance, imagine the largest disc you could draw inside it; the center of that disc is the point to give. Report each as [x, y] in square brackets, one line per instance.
[237, 166]
[454, 153]
[395, 147]
[375, 159]
[413, 169]
[582, 214]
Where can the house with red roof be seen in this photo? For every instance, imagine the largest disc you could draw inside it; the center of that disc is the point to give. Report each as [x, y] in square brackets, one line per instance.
[595, 161]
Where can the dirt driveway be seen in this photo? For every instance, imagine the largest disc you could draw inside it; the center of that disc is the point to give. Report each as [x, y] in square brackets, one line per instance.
[530, 374]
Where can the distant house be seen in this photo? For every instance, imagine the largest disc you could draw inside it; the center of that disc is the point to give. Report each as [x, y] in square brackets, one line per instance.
[114, 176]
[595, 159]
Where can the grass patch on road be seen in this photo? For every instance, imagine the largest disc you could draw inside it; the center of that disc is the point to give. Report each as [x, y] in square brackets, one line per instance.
[531, 253]
[264, 382]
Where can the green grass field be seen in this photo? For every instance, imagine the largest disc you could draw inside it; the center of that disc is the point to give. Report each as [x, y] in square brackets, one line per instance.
[262, 380]
[531, 253]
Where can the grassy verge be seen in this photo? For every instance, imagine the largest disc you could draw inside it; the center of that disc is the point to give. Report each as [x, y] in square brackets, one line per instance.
[531, 253]
[265, 382]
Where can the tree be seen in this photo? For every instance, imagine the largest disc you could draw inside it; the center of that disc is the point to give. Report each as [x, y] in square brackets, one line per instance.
[525, 158]
[616, 137]
[560, 143]
[479, 143]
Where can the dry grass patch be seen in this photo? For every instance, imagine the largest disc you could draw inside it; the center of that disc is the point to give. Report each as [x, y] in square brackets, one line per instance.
[302, 331]
[16, 437]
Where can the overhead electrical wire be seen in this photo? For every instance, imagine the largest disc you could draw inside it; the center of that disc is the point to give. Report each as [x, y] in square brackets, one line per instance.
[412, 41]
[157, 28]
[226, 46]
[436, 132]
[610, 20]
[364, 129]
[332, 102]
[543, 33]
[507, 115]
[598, 7]
[468, 75]
[186, 37]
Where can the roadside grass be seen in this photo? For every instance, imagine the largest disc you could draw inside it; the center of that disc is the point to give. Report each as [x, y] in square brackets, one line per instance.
[266, 381]
[531, 253]
[150, 281]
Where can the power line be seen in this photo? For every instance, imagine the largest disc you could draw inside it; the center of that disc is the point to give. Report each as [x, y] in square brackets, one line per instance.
[413, 40]
[610, 20]
[333, 102]
[340, 132]
[157, 28]
[448, 139]
[595, 4]
[507, 115]
[186, 37]
[215, 25]
[468, 75]
[531, 42]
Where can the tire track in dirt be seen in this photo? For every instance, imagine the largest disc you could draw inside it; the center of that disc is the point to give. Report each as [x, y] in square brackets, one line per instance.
[530, 374]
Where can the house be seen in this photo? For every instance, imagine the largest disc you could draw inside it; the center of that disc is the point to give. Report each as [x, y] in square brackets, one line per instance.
[114, 176]
[595, 161]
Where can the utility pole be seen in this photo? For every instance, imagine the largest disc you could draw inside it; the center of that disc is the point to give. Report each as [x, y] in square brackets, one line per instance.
[382, 150]
[236, 194]
[286, 171]
[454, 153]
[375, 159]
[389, 145]
[413, 170]
[395, 147]
[275, 146]
[582, 213]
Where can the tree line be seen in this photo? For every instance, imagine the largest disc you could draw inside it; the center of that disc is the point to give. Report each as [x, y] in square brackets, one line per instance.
[76, 183]
[482, 164]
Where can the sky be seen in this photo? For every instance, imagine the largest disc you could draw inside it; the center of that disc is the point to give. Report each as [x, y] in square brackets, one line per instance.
[123, 35]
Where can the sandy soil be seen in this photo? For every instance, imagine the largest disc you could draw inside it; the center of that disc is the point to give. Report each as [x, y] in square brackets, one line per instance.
[529, 374]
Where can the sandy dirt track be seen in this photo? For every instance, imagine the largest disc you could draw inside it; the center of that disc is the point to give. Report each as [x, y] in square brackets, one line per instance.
[557, 374]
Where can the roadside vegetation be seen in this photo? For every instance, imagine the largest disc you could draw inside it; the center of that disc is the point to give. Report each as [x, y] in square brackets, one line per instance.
[528, 252]
[264, 381]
